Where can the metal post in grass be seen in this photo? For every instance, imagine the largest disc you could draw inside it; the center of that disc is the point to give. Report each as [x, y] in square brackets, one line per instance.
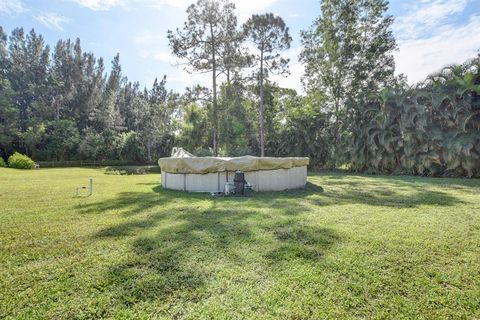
[77, 190]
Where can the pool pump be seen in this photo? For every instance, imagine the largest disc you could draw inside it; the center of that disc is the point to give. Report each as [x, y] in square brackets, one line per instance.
[239, 186]
[239, 182]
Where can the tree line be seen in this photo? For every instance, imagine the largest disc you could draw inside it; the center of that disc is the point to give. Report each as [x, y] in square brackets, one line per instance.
[62, 104]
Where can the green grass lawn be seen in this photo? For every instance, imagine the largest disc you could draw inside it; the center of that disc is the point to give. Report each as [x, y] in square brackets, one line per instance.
[366, 247]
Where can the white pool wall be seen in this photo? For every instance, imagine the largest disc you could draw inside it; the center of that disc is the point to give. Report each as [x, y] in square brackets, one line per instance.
[261, 180]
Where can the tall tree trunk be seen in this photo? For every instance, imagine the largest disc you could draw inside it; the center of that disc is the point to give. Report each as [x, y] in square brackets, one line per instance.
[336, 133]
[262, 111]
[214, 85]
[57, 108]
[149, 150]
[23, 108]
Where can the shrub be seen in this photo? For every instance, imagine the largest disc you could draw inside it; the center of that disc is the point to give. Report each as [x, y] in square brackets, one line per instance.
[2, 163]
[20, 161]
[132, 170]
[92, 145]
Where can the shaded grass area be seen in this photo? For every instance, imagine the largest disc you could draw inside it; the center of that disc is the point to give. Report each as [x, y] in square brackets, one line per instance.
[347, 246]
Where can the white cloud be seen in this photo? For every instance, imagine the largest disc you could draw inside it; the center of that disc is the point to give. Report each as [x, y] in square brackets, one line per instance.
[293, 80]
[181, 4]
[99, 5]
[243, 6]
[12, 6]
[429, 37]
[294, 15]
[160, 56]
[186, 79]
[417, 58]
[149, 38]
[165, 57]
[152, 45]
[177, 78]
[427, 16]
[250, 6]
[52, 20]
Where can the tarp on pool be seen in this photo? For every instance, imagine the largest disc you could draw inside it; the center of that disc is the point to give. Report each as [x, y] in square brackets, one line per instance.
[204, 165]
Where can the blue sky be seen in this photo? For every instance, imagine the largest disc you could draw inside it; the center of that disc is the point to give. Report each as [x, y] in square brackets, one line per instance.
[430, 33]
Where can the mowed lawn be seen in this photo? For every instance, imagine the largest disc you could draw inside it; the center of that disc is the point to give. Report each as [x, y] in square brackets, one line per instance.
[346, 247]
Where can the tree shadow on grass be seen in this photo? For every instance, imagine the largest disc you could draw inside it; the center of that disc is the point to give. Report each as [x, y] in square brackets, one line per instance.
[303, 200]
[300, 241]
[392, 193]
[347, 193]
[131, 203]
[397, 180]
[128, 228]
[179, 249]
[387, 198]
[178, 259]
[179, 244]
[395, 192]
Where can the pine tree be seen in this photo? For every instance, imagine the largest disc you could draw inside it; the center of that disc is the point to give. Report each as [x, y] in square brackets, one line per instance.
[210, 24]
[28, 72]
[4, 62]
[270, 35]
[108, 116]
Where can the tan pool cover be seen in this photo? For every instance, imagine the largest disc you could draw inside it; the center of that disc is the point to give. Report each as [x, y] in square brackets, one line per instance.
[203, 165]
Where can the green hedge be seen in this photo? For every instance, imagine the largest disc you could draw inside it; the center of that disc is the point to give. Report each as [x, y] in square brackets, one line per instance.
[2, 163]
[132, 170]
[20, 161]
[87, 163]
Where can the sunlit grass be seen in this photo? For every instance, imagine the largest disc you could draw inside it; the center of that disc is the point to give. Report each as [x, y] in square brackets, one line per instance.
[346, 247]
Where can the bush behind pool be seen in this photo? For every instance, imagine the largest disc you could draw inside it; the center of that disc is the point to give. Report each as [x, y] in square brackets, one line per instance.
[20, 161]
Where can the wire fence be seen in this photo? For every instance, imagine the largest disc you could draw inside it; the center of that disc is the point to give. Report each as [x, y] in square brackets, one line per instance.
[90, 163]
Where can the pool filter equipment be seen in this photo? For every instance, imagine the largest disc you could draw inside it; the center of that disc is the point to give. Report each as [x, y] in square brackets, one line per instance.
[229, 188]
[248, 191]
[239, 182]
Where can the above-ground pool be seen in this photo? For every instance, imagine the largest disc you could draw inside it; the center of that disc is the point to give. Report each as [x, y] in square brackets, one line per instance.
[209, 174]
